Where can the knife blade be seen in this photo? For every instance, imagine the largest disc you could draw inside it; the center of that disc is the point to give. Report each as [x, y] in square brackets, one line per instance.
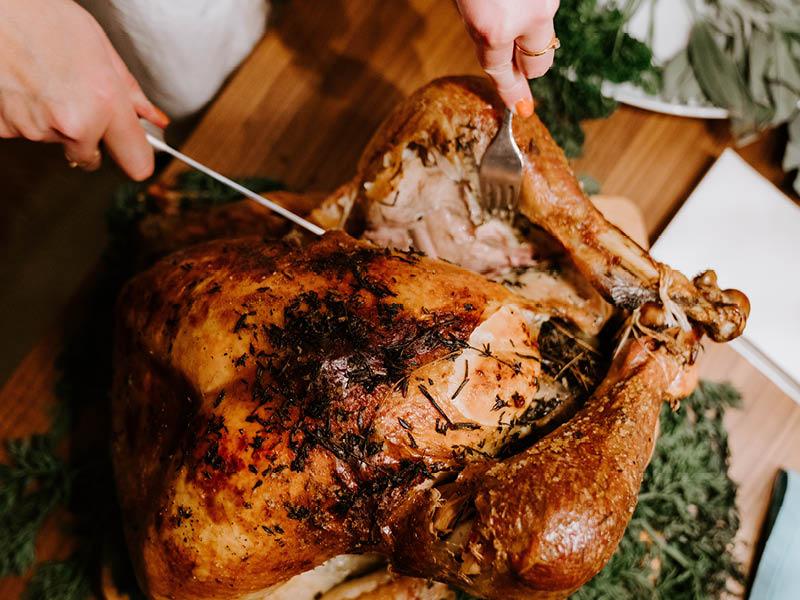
[153, 137]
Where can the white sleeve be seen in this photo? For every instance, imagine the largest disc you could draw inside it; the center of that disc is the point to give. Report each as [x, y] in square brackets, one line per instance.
[181, 51]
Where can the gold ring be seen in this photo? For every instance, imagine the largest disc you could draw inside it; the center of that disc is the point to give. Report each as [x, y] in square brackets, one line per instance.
[74, 163]
[554, 45]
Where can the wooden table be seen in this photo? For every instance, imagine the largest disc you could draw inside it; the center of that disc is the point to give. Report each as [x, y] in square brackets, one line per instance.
[303, 106]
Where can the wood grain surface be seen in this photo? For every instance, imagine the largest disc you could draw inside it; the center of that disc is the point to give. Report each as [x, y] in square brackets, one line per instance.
[304, 104]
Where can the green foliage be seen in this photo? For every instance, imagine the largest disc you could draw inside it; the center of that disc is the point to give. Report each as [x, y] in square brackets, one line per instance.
[60, 580]
[679, 541]
[32, 484]
[594, 49]
[678, 544]
[589, 184]
[744, 55]
[198, 190]
[130, 202]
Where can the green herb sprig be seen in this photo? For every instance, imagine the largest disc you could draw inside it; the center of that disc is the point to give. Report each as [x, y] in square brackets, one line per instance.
[33, 483]
[60, 580]
[594, 49]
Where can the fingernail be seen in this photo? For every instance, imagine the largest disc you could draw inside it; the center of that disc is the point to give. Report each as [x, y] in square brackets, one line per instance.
[163, 119]
[524, 108]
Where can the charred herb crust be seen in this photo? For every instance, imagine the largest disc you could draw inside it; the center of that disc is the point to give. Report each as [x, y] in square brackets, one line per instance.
[312, 370]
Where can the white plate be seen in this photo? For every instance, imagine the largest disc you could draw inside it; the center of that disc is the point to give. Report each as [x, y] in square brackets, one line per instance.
[672, 23]
[634, 96]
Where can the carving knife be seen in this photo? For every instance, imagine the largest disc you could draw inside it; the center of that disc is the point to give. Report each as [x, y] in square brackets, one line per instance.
[153, 136]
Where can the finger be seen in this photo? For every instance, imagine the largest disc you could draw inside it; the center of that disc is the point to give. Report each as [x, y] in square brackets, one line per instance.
[125, 142]
[84, 154]
[498, 62]
[22, 118]
[79, 129]
[144, 108]
[535, 40]
[7, 131]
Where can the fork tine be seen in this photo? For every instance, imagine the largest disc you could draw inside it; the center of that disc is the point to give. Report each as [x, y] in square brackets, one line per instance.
[499, 173]
[486, 195]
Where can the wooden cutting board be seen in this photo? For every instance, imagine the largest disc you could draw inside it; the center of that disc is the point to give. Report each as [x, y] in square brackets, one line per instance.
[303, 106]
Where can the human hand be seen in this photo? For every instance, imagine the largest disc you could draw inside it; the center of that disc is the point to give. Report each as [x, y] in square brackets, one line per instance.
[501, 29]
[62, 81]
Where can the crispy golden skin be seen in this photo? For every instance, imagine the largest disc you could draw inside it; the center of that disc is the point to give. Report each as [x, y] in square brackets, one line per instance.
[277, 404]
[270, 399]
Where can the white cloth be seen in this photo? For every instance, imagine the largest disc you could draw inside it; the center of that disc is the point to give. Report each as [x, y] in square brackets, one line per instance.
[743, 226]
[181, 51]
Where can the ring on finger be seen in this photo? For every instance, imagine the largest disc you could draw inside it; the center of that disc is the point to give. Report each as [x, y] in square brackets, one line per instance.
[554, 45]
[72, 163]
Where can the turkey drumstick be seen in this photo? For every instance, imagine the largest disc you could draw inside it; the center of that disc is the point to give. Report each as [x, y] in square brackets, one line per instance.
[450, 123]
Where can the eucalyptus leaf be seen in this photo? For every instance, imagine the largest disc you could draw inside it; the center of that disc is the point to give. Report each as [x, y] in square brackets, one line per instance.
[759, 59]
[721, 80]
[678, 81]
[791, 158]
[716, 72]
[784, 79]
[783, 15]
[745, 56]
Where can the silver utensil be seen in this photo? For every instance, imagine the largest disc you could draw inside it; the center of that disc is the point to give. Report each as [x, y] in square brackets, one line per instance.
[159, 144]
[500, 173]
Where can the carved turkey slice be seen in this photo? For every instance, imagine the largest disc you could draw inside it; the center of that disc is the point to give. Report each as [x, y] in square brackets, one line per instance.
[280, 408]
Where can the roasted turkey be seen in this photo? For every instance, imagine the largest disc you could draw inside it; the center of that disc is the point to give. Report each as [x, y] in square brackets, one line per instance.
[472, 402]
